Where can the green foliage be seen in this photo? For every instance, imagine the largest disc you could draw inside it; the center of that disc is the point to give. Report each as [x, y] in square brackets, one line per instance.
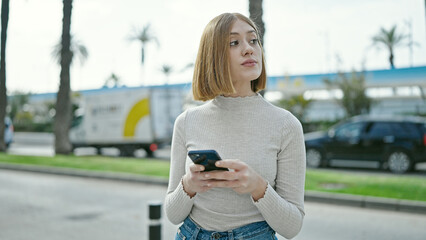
[354, 100]
[390, 39]
[113, 81]
[296, 104]
[76, 47]
[166, 69]
[38, 117]
[33, 127]
[17, 102]
[322, 125]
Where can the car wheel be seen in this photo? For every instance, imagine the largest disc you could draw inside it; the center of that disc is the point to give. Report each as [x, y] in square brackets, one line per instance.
[399, 162]
[149, 152]
[313, 158]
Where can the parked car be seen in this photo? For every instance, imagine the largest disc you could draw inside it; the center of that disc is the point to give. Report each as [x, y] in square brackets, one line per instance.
[396, 143]
[8, 131]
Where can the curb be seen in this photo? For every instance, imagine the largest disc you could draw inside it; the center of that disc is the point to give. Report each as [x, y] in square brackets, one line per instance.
[311, 196]
[367, 202]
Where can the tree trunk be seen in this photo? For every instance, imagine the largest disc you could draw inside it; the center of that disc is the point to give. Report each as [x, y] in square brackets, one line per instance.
[3, 95]
[63, 99]
[143, 56]
[256, 14]
[391, 60]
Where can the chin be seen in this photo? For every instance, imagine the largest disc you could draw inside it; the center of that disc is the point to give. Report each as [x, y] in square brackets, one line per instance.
[252, 77]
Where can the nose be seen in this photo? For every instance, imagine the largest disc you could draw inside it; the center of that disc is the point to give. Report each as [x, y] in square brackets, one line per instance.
[247, 49]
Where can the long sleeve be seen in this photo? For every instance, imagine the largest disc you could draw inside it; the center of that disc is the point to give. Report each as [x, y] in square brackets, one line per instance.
[178, 204]
[267, 138]
[283, 207]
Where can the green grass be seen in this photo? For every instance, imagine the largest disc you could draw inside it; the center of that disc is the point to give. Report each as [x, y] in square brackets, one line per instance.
[377, 185]
[95, 163]
[368, 184]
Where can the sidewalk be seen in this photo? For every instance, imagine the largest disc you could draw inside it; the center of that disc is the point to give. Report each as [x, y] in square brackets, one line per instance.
[322, 197]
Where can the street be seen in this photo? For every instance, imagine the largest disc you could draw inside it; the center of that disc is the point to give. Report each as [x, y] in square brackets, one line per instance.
[37, 206]
[52, 207]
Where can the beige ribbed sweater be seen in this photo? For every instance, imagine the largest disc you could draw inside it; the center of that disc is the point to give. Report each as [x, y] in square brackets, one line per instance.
[267, 138]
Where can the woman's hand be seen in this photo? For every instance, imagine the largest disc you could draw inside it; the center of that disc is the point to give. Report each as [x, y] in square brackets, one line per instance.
[194, 181]
[242, 178]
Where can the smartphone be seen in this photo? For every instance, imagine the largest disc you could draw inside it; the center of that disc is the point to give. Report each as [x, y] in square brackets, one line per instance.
[207, 158]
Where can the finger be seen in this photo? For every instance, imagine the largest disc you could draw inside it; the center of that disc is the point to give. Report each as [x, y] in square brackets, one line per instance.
[232, 164]
[220, 175]
[196, 168]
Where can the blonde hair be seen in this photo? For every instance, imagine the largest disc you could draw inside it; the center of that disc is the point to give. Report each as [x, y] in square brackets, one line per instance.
[212, 76]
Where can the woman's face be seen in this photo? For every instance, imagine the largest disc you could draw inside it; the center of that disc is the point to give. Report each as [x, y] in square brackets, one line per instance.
[245, 56]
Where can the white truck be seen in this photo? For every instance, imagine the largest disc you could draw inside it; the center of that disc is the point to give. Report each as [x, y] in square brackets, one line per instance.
[127, 118]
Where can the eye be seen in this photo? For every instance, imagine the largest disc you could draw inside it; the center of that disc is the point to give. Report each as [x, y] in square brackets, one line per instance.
[254, 41]
[234, 43]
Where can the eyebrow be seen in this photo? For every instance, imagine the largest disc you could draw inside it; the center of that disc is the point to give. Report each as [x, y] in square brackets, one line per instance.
[235, 33]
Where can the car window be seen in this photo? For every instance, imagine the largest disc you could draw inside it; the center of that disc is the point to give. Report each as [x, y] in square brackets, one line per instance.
[380, 129]
[349, 130]
[405, 129]
[423, 128]
[398, 129]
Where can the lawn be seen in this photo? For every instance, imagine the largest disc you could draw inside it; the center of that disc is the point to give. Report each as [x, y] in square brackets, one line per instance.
[368, 184]
[95, 163]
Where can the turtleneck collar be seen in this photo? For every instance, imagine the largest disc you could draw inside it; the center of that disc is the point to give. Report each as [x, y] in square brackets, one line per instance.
[238, 103]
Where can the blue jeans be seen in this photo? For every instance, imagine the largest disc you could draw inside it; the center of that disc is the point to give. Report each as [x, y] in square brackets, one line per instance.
[258, 230]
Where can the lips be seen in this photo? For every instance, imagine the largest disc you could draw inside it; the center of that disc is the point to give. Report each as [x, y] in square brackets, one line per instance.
[249, 63]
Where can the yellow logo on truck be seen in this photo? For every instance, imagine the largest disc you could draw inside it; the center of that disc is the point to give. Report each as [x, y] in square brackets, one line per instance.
[138, 111]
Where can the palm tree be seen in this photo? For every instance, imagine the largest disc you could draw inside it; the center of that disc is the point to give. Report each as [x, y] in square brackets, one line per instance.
[144, 36]
[3, 95]
[167, 70]
[256, 14]
[76, 48]
[112, 81]
[63, 100]
[64, 52]
[390, 40]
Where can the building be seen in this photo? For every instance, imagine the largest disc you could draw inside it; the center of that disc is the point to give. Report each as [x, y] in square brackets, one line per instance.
[394, 91]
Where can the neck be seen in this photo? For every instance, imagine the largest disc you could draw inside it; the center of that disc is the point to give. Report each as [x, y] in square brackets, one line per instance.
[242, 91]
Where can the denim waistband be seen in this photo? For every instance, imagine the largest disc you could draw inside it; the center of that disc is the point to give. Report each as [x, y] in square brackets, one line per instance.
[247, 231]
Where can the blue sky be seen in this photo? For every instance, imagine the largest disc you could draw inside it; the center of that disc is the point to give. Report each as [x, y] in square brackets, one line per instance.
[302, 37]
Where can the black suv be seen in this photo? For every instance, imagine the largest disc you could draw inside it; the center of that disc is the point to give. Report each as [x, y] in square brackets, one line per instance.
[396, 143]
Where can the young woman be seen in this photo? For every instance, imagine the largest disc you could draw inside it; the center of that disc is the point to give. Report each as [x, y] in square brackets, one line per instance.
[262, 145]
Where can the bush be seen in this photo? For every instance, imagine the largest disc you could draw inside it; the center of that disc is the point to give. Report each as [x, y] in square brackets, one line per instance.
[32, 127]
[314, 126]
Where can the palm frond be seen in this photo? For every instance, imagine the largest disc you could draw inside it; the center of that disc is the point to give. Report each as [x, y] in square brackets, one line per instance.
[76, 48]
[166, 69]
[143, 35]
